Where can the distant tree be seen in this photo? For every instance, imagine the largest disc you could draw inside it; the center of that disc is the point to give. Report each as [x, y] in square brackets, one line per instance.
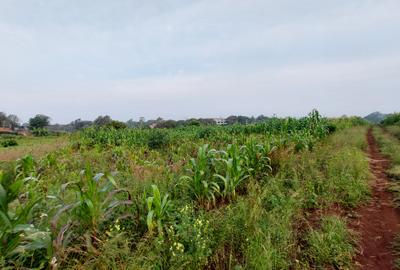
[167, 124]
[117, 124]
[243, 120]
[102, 120]
[207, 121]
[39, 121]
[13, 120]
[132, 124]
[392, 119]
[142, 122]
[3, 120]
[261, 118]
[78, 124]
[193, 122]
[231, 120]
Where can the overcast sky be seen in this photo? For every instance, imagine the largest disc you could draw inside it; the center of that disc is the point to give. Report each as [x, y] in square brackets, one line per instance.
[178, 59]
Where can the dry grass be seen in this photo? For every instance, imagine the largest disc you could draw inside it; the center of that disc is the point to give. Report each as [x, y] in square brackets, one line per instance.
[36, 146]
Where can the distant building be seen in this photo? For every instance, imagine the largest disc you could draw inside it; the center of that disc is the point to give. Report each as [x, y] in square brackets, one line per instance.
[4, 130]
[18, 131]
[219, 121]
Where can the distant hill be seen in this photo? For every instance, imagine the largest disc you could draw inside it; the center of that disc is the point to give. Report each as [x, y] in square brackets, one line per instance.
[375, 117]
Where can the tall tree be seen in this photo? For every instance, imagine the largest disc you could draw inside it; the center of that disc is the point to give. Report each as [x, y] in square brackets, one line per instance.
[39, 121]
[13, 121]
[102, 120]
[3, 120]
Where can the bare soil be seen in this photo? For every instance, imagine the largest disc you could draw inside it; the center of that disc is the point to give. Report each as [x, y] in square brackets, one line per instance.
[378, 221]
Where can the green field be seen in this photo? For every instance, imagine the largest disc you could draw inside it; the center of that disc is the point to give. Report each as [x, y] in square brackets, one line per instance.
[36, 146]
[254, 196]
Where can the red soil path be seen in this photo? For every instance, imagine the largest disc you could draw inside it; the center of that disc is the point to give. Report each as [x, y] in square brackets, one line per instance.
[378, 222]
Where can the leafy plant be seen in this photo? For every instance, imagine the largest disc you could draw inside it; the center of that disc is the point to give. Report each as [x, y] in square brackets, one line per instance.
[256, 158]
[200, 181]
[235, 172]
[96, 198]
[158, 139]
[40, 132]
[9, 142]
[25, 167]
[157, 207]
[19, 237]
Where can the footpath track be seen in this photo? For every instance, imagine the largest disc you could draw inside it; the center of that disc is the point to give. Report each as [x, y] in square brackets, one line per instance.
[378, 221]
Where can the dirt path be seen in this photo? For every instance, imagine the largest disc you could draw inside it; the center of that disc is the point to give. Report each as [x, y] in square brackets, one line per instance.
[379, 221]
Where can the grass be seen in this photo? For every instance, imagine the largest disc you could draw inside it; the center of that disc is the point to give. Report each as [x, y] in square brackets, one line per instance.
[152, 209]
[37, 146]
[388, 140]
[330, 245]
[394, 130]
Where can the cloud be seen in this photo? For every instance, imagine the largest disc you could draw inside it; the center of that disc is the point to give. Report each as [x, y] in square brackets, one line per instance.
[179, 59]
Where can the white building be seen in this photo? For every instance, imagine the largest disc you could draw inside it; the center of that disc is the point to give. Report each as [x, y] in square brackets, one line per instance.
[220, 121]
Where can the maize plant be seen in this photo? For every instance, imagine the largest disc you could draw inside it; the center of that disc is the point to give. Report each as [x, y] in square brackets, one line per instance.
[18, 236]
[96, 198]
[256, 158]
[157, 208]
[25, 167]
[235, 172]
[201, 182]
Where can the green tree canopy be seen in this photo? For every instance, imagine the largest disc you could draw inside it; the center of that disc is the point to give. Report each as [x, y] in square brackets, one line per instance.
[39, 121]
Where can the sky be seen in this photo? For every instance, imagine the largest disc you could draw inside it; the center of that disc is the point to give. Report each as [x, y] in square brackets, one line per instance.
[179, 59]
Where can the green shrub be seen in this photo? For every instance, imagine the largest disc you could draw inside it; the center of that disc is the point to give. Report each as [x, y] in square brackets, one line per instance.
[116, 125]
[40, 132]
[158, 139]
[9, 142]
[392, 119]
[206, 133]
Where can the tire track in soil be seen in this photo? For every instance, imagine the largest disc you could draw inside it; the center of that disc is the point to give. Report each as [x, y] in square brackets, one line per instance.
[378, 221]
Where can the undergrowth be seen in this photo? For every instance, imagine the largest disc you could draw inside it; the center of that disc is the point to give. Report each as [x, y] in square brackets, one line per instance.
[231, 201]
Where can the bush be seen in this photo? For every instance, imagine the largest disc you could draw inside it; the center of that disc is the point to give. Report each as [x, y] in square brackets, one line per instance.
[167, 124]
[9, 142]
[157, 139]
[117, 125]
[206, 133]
[392, 119]
[40, 132]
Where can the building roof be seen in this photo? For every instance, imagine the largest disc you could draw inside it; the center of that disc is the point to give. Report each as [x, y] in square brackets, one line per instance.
[5, 129]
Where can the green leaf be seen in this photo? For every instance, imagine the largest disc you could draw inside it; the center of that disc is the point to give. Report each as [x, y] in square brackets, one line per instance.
[149, 220]
[4, 218]
[3, 198]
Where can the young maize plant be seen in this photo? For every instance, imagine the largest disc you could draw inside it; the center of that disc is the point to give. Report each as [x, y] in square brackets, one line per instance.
[19, 238]
[200, 181]
[157, 210]
[96, 200]
[235, 172]
[256, 158]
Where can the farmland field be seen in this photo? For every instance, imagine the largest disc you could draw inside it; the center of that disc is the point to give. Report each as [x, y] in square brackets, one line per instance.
[36, 146]
[283, 194]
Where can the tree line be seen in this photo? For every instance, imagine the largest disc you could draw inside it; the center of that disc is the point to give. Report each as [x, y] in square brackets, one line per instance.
[41, 121]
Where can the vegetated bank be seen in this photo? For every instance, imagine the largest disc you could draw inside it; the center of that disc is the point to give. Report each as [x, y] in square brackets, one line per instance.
[389, 141]
[189, 198]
